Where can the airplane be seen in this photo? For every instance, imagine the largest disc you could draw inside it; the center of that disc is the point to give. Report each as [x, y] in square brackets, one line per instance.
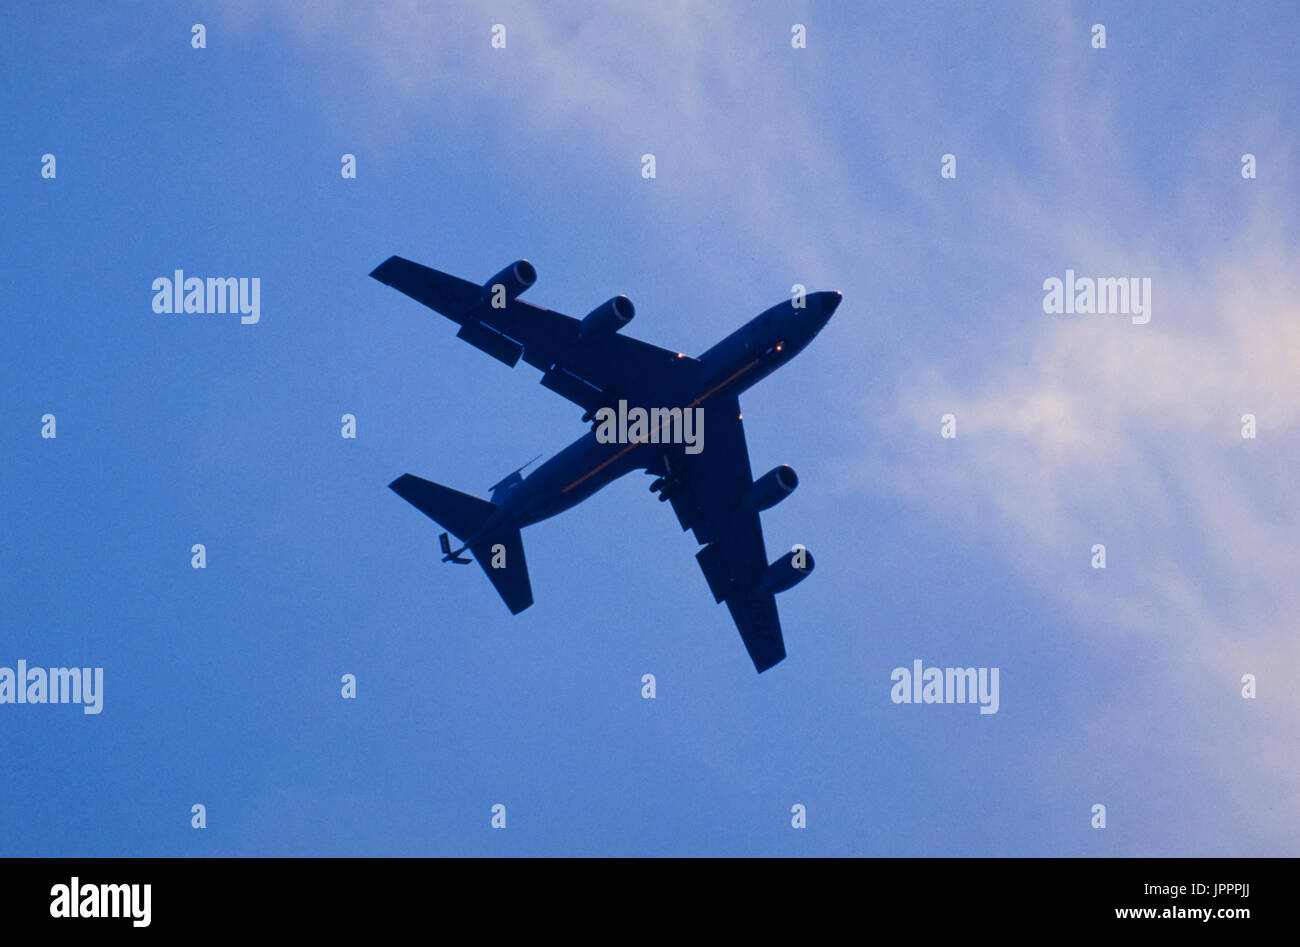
[589, 362]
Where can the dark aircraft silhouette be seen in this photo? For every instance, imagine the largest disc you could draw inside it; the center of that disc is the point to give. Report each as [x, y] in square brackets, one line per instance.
[711, 490]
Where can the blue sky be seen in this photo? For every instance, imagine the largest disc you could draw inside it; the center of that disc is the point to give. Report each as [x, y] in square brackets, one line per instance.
[775, 166]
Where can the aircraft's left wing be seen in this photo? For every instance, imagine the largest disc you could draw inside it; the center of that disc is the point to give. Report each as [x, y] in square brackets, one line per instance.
[592, 372]
[706, 497]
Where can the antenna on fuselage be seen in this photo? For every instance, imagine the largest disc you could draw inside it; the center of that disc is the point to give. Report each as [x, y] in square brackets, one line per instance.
[507, 478]
[499, 489]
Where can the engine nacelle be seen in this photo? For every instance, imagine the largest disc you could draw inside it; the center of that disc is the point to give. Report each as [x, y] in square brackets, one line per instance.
[770, 489]
[514, 279]
[609, 316]
[785, 572]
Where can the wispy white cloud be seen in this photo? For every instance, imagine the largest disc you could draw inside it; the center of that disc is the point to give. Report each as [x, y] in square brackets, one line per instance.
[1103, 431]
[685, 81]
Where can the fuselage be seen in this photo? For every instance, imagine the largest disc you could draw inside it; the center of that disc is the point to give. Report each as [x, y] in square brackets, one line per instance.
[735, 364]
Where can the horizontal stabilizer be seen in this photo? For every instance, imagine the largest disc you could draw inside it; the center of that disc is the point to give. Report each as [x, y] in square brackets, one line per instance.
[502, 558]
[457, 512]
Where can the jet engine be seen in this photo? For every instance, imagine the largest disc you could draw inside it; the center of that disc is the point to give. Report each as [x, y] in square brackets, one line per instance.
[770, 489]
[515, 278]
[785, 572]
[609, 316]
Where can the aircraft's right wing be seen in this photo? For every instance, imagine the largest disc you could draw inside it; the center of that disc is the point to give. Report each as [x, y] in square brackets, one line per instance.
[591, 372]
[707, 500]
